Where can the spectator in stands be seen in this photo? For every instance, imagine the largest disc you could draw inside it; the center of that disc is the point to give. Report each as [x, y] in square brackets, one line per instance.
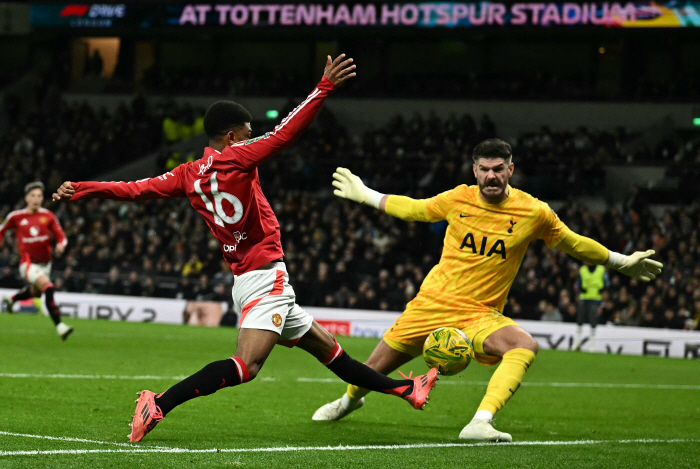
[549, 312]
[71, 282]
[8, 279]
[114, 285]
[132, 286]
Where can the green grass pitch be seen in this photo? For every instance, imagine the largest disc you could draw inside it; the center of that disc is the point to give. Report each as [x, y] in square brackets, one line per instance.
[84, 389]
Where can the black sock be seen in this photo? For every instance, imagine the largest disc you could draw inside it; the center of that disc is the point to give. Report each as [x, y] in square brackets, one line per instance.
[351, 371]
[208, 380]
[51, 306]
[24, 294]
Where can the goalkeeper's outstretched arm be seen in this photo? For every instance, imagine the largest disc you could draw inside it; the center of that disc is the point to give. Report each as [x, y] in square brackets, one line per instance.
[348, 186]
[637, 265]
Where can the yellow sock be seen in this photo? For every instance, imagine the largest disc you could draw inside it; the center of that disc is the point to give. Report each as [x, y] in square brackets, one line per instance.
[506, 379]
[356, 392]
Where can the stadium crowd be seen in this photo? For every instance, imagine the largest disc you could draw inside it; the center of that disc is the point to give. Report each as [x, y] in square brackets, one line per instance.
[344, 255]
[58, 140]
[538, 85]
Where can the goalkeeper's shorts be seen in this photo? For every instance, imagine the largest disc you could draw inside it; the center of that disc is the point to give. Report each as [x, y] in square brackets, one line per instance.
[409, 331]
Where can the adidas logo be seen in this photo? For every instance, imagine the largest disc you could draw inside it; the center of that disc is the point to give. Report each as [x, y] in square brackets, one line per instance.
[24, 222]
[145, 414]
[424, 380]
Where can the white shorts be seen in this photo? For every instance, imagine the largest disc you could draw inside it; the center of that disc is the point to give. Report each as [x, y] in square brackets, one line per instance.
[32, 272]
[266, 301]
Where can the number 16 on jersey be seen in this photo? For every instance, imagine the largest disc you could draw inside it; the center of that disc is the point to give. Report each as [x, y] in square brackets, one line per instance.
[217, 208]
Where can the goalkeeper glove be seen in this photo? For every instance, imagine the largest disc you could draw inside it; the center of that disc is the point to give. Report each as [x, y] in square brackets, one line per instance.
[637, 265]
[349, 186]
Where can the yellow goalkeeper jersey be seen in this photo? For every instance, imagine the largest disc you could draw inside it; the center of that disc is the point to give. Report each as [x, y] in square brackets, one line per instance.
[483, 248]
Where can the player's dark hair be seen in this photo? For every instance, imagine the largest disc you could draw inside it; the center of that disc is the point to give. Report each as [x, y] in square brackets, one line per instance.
[492, 148]
[224, 116]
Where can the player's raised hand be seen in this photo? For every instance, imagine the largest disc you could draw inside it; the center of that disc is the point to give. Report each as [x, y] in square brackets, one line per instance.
[64, 193]
[639, 266]
[348, 186]
[339, 69]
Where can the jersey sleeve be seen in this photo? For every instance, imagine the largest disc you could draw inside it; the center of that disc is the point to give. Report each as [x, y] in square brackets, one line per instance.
[428, 210]
[582, 248]
[249, 154]
[552, 229]
[58, 233]
[8, 224]
[440, 205]
[168, 185]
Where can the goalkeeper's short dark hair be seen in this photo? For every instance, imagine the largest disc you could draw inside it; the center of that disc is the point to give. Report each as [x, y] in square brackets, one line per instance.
[492, 148]
[224, 116]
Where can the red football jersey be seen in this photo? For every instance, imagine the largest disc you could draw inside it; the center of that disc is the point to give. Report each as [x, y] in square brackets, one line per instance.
[33, 232]
[225, 189]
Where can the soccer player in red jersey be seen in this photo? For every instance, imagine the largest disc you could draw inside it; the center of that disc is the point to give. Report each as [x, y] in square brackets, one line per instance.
[33, 227]
[223, 186]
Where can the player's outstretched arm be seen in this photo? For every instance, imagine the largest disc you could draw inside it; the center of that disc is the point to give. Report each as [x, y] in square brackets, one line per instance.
[257, 150]
[165, 186]
[349, 186]
[637, 265]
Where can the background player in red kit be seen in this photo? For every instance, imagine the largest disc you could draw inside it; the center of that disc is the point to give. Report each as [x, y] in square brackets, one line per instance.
[33, 227]
[225, 189]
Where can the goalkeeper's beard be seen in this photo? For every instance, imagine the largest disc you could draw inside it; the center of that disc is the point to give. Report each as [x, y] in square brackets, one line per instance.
[487, 189]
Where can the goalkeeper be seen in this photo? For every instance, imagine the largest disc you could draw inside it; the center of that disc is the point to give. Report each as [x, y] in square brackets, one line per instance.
[490, 227]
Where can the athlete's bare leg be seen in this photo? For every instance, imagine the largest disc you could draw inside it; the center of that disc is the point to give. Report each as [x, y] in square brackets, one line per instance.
[40, 285]
[317, 341]
[253, 347]
[384, 360]
[518, 350]
[322, 345]
[509, 338]
[44, 285]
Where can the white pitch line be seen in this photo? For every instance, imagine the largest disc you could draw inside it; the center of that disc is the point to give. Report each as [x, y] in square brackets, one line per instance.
[75, 376]
[122, 377]
[336, 380]
[79, 440]
[287, 449]
[526, 383]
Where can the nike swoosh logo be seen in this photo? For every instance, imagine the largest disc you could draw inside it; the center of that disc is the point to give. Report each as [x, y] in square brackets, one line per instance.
[464, 216]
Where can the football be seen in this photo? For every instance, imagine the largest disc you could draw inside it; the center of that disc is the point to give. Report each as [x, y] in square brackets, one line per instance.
[447, 349]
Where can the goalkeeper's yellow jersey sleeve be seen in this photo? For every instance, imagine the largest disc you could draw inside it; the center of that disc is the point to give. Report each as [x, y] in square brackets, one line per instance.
[483, 247]
[406, 208]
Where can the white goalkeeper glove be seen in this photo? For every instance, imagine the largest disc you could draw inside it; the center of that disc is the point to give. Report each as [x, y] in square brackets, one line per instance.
[637, 266]
[349, 186]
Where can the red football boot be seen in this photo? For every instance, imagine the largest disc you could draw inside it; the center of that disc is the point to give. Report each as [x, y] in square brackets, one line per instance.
[146, 416]
[422, 385]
